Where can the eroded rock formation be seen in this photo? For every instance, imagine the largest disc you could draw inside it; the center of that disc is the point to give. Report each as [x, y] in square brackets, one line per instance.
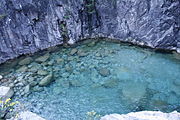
[29, 25]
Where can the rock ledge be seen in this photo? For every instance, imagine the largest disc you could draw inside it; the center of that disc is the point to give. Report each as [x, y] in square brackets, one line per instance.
[144, 115]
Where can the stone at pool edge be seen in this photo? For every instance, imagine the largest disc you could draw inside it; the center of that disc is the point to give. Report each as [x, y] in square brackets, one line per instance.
[46, 80]
[6, 92]
[144, 115]
[73, 51]
[111, 83]
[22, 69]
[26, 61]
[43, 58]
[27, 115]
[42, 72]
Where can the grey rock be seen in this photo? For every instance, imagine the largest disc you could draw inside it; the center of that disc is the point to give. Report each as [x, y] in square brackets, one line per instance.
[177, 82]
[76, 83]
[31, 25]
[33, 83]
[43, 58]
[144, 115]
[1, 77]
[26, 61]
[22, 69]
[27, 89]
[6, 92]
[82, 53]
[46, 80]
[111, 83]
[73, 51]
[37, 89]
[104, 72]
[26, 115]
[59, 60]
[42, 72]
[134, 91]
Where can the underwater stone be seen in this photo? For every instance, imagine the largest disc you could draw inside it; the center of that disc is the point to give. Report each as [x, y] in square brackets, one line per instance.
[43, 58]
[81, 53]
[22, 69]
[111, 83]
[46, 81]
[42, 72]
[75, 83]
[73, 51]
[134, 91]
[176, 55]
[177, 82]
[27, 89]
[104, 72]
[37, 89]
[26, 61]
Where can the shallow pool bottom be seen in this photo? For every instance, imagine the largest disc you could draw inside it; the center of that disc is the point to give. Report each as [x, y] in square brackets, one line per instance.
[107, 78]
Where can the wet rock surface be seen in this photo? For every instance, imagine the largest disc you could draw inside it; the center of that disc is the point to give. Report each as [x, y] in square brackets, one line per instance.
[28, 26]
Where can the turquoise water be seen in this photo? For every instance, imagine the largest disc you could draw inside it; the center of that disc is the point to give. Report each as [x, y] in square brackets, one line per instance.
[104, 77]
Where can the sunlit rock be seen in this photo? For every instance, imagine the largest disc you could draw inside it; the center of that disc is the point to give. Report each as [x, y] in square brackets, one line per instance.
[26, 115]
[6, 92]
[144, 115]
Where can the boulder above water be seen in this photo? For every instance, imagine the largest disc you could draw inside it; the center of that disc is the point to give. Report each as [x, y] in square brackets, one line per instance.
[26, 115]
[6, 92]
[144, 115]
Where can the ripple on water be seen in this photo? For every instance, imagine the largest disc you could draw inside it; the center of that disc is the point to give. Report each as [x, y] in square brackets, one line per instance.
[105, 77]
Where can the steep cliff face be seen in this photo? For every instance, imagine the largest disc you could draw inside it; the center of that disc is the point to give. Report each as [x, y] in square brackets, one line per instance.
[29, 25]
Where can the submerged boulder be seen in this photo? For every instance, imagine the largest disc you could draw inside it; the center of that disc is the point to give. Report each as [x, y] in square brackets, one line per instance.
[111, 83]
[104, 72]
[43, 58]
[46, 80]
[73, 51]
[26, 61]
[134, 91]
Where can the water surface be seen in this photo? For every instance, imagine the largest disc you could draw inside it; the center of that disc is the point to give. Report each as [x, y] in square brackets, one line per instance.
[104, 77]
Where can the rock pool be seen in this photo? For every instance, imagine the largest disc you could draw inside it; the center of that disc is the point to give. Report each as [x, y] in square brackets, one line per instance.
[100, 76]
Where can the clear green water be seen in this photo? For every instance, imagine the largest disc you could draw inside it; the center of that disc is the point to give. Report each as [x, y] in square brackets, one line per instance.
[107, 78]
